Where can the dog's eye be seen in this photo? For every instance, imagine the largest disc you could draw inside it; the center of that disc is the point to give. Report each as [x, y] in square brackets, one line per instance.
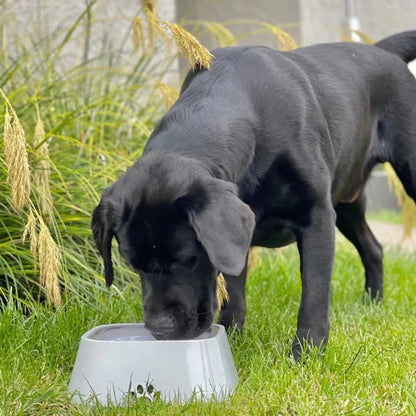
[188, 261]
[184, 261]
[193, 259]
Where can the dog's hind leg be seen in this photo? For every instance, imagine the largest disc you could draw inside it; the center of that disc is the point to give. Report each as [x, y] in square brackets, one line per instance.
[352, 223]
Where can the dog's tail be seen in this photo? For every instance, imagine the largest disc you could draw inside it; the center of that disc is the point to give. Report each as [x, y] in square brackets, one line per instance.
[403, 44]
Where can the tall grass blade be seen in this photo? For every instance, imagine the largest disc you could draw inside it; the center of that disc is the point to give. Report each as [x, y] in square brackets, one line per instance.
[138, 35]
[42, 167]
[72, 29]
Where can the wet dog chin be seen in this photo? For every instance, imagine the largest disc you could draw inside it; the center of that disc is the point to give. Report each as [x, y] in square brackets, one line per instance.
[179, 335]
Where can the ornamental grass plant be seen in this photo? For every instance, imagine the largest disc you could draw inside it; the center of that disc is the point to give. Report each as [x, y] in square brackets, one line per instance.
[68, 132]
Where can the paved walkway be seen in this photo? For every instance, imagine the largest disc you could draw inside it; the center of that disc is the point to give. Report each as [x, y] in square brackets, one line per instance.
[391, 236]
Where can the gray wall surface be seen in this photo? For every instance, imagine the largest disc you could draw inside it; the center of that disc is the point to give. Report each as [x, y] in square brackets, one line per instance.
[277, 12]
[321, 20]
[109, 26]
[308, 21]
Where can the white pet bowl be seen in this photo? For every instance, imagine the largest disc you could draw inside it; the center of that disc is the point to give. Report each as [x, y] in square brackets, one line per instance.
[117, 362]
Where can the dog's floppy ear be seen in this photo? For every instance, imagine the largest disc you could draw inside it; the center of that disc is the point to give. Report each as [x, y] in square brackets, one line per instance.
[103, 232]
[224, 226]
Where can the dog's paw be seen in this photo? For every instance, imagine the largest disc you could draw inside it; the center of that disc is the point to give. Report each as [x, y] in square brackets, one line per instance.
[305, 349]
[231, 321]
[370, 298]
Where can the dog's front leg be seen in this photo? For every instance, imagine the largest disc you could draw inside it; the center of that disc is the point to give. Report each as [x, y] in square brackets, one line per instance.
[316, 244]
[233, 312]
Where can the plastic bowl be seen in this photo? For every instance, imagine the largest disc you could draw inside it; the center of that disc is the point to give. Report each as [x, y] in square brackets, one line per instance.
[119, 362]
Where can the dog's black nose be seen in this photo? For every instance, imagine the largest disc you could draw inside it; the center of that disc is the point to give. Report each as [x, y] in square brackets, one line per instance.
[161, 326]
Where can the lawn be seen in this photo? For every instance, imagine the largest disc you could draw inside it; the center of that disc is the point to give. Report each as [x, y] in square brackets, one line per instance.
[386, 215]
[368, 367]
[95, 118]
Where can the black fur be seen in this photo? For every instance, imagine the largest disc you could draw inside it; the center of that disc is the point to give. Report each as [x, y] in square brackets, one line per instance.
[264, 148]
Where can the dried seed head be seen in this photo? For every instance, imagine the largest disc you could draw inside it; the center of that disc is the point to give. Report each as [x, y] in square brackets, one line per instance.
[153, 27]
[253, 256]
[138, 34]
[30, 232]
[18, 173]
[170, 95]
[222, 294]
[286, 41]
[49, 265]
[406, 204]
[149, 5]
[350, 35]
[190, 47]
[152, 21]
[222, 33]
[42, 167]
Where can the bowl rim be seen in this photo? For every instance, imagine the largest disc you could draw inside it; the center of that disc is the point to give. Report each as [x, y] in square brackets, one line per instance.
[86, 337]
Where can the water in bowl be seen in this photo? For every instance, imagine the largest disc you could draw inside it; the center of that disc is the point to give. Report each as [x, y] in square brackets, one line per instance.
[135, 332]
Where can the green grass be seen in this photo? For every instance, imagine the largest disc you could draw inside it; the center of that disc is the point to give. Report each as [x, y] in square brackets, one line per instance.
[368, 367]
[386, 215]
[97, 116]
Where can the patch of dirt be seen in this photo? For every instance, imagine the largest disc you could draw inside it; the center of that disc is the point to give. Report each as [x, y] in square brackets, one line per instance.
[391, 236]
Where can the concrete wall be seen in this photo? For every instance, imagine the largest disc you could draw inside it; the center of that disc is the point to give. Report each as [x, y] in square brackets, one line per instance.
[109, 25]
[308, 21]
[379, 195]
[321, 20]
[382, 18]
[284, 13]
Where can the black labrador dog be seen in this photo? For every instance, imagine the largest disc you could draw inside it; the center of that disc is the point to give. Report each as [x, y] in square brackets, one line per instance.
[265, 148]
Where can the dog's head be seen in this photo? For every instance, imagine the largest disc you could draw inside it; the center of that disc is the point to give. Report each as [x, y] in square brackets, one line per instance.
[178, 227]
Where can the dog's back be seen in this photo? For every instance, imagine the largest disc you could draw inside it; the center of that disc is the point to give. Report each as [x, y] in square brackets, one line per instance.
[309, 104]
[266, 148]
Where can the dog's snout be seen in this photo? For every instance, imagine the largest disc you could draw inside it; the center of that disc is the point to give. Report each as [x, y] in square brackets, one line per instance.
[160, 325]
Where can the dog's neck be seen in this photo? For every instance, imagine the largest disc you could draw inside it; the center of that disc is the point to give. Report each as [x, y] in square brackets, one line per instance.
[210, 134]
